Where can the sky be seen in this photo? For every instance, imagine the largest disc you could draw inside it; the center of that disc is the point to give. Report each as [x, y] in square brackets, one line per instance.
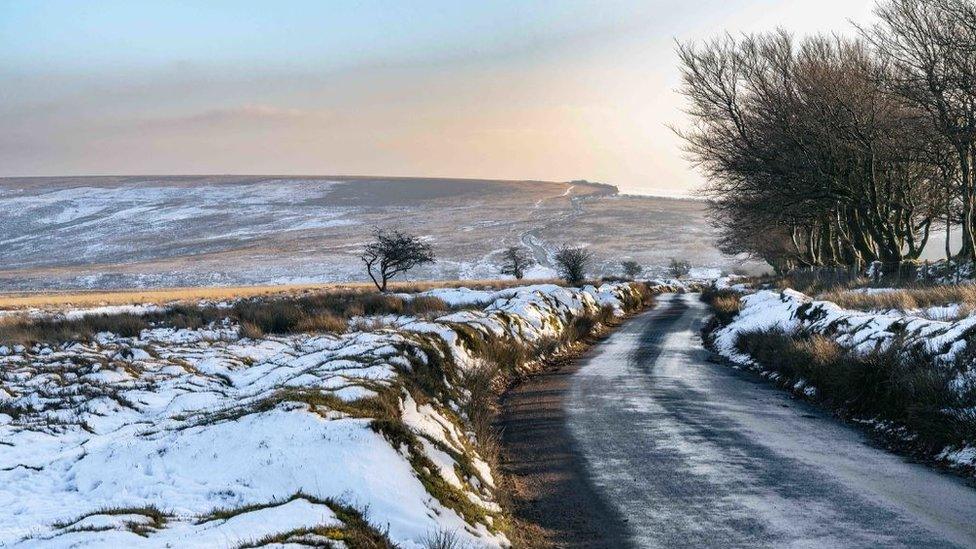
[496, 89]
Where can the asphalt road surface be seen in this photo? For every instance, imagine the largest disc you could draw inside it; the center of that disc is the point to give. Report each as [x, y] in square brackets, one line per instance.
[646, 443]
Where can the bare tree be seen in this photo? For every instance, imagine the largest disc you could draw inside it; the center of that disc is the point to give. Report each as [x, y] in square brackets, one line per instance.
[572, 263]
[801, 141]
[678, 268]
[516, 260]
[632, 269]
[931, 46]
[393, 252]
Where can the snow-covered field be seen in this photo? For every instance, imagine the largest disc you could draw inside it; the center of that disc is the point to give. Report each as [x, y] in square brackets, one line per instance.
[132, 232]
[945, 344]
[199, 438]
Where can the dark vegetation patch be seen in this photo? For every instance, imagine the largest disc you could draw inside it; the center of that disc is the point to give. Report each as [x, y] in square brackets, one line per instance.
[382, 405]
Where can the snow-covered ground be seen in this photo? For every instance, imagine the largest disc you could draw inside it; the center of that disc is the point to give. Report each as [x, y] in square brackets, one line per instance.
[947, 344]
[280, 433]
[139, 232]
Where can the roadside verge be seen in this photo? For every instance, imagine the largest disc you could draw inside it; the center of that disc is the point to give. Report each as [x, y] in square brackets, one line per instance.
[908, 380]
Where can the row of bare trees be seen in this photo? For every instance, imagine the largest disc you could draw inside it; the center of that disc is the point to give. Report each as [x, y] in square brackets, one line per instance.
[832, 150]
[393, 251]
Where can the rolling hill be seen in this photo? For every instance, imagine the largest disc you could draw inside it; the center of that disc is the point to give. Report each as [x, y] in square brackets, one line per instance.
[113, 232]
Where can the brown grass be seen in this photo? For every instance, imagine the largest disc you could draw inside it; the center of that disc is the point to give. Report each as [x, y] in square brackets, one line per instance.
[282, 313]
[725, 304]
[905, 298]
[22, 331]
[53, 300]
[324, 322]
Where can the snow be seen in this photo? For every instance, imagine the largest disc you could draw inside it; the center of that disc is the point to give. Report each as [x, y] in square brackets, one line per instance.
[918, 333]
[705, 273]
[112, 310]
[190, 421]
[860, 331]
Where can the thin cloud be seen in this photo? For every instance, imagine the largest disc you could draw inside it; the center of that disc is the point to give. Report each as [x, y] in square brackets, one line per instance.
[244, 116]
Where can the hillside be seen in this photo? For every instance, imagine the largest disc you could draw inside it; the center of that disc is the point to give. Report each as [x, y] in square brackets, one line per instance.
[112, 232]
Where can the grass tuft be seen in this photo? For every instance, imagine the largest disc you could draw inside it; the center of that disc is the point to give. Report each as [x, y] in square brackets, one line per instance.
[157, 519]
[443, 539]
[355, 531]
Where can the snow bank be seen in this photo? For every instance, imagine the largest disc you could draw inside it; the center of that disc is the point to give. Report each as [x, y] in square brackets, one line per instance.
[189, 421]
[947, 344]
[859, 331]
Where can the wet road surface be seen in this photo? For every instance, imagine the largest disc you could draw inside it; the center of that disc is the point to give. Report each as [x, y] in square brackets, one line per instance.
[646, 443]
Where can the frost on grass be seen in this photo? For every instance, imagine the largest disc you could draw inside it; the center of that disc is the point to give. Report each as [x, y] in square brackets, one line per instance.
[184, 438]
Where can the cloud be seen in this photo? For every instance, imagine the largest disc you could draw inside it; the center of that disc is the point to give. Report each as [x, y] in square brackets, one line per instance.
[248, 116]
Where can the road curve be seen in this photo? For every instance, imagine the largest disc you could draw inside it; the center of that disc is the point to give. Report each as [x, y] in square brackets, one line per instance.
[649, 444]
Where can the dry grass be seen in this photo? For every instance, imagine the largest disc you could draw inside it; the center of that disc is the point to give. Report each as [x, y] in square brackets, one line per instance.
[140, 296]
[443, 539]
[311, 313]
[277, 313]
[15, 330]
[323, 322]
[904, 299]
[725, 304]
[51, 300]
[156, 517]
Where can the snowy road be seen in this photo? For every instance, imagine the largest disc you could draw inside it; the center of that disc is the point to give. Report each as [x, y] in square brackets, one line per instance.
[678, 451]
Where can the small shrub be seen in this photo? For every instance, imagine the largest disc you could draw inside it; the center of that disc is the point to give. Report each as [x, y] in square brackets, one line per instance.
[631, 269]
[515, 261]
[678, 268]
[572, 264]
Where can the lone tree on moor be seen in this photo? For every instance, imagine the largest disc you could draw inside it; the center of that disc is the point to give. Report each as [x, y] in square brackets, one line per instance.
[393, 252]
[572, 263]
[632, 269]
[516, 259]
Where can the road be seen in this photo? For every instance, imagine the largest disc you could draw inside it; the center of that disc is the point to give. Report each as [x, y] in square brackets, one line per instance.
[646, 443]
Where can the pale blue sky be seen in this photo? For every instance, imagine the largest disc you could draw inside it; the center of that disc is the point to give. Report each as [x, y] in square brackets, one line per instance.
[526, 90]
